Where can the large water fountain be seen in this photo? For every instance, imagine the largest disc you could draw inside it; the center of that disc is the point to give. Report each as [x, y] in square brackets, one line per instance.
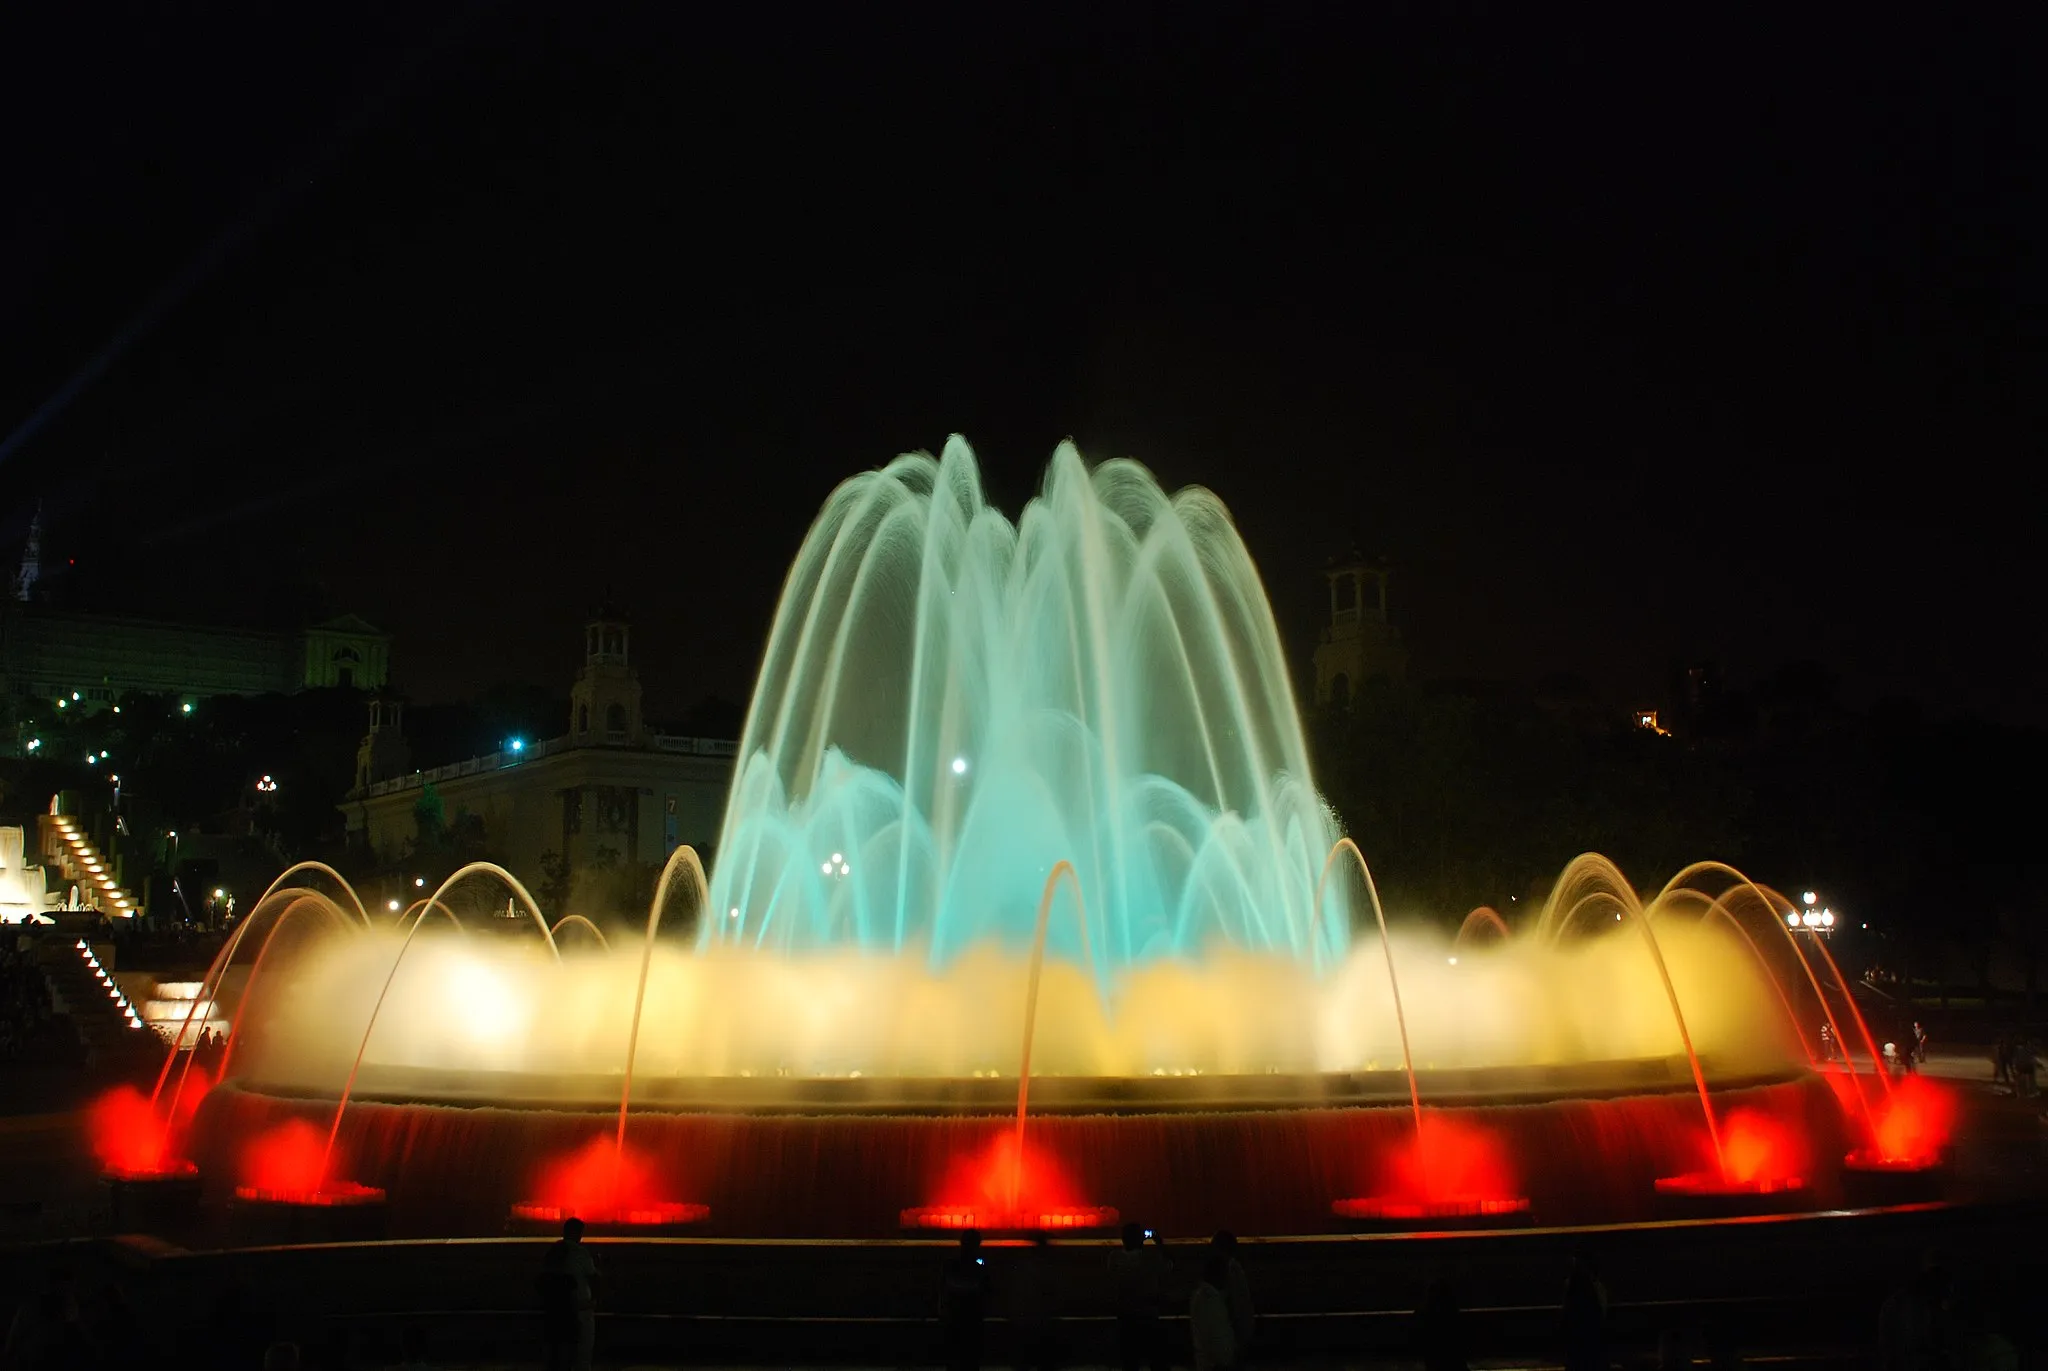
[1025, 911]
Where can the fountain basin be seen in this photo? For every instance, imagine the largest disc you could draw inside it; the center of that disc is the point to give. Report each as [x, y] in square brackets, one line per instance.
[653, 1219]
[1400, 1214]
[993, 1221]
[1710, 1195]
[1187, 1165]
[1870, 1180]
[339, 1211]
[163, 1201]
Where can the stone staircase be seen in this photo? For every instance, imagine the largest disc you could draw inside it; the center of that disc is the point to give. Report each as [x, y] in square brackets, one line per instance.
[83, 987]
[70, 850]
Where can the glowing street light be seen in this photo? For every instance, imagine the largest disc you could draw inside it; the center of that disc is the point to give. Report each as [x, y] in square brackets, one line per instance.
[959, 766]
[391, 905]
[1809, 898]
[517, 745]
[185, 708]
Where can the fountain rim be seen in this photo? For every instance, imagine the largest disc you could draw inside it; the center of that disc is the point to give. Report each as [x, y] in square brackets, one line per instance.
[995, 1097]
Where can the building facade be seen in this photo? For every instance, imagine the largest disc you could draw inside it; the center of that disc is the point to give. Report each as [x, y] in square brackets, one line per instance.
[607, 793]
[51, 652]
[1360, 643]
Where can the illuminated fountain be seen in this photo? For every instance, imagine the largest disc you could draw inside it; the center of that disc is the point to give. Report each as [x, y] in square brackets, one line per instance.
[1026, 913]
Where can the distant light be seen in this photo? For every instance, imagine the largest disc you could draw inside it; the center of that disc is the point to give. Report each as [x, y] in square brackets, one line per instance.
[1866, 926]
[186, 707]
[34, 743]
[1454, 961]
[838, 857]
[1808, 898]
[733, 913]
[74, 694]
[392, 905]
[219, 894]
[959, 766]
[1792, 917]
[90, 759]
[1827, 918]
[825, 867]
[63, 704]
[103, 752]
[419, 881]
[117, 709]
[172, 834]
[518, 744]
[115, 779]
[1810, 919]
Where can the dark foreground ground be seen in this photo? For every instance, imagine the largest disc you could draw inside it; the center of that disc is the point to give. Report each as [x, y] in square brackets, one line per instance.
[1802, 1290]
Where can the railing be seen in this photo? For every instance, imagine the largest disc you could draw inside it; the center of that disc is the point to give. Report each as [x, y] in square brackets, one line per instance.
[505, 758]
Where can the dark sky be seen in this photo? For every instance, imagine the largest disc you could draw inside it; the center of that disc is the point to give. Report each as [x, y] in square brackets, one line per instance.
[1646, 340]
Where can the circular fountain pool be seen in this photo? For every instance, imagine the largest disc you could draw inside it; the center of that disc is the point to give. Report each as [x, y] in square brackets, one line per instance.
[1026, 913]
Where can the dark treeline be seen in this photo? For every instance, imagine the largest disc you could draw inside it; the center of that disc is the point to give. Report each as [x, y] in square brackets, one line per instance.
[1926, 829]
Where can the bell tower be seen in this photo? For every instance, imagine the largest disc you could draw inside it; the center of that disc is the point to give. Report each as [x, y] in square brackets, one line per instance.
[604, 704]
[383, 754]
[1359, 643]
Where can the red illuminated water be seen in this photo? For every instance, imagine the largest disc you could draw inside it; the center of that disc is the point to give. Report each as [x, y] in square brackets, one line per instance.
[603, 1182]
[128, 1138]
[288, 1165]
[1913, 1129]
[458, 1171]
[1005, 1186]
[1762, 1153]
[1452, 1168]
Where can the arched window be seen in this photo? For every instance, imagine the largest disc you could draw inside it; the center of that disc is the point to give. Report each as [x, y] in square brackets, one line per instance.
[615, 720]
[583, 718]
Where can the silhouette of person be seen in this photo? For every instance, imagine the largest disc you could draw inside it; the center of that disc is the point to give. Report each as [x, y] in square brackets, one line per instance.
[1237, 1290]
[1584, 1317]
[567, 1305]
[1441, 1325]
[963, 1302]
[1137, 1277]
[1032, 1307]
[1209, 1317]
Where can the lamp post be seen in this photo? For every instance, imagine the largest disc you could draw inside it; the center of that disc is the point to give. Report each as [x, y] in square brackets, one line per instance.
[1812, 915]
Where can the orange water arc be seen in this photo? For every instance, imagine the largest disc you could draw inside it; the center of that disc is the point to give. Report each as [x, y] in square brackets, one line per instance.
[684, 858]
[1060, 868]
[455, 878]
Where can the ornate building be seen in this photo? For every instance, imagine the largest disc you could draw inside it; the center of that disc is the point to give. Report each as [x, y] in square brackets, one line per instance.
[1359, 643]
[53, 652]
[609, 791]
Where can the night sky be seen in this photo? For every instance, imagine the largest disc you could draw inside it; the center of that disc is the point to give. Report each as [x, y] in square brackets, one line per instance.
[1633, 343]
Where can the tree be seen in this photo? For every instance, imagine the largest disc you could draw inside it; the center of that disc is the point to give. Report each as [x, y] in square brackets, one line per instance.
[430, 819]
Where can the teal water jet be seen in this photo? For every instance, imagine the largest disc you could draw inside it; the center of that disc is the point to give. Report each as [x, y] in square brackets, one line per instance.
[951, 703]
